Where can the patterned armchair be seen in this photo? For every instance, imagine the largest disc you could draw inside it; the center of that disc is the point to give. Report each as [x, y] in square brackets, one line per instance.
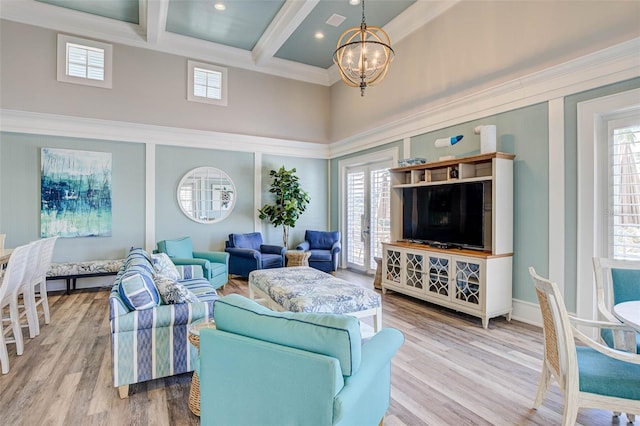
[248, 253]
[215, 265]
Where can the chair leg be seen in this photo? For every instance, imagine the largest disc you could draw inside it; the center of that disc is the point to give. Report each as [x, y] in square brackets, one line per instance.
[15, 325]
[44, 301]
[4, 355]
[570, 407]
[29, 303]
[123, 391]
[543, 385]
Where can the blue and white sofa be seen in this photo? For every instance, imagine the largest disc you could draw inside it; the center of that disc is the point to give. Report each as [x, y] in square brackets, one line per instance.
[149, 338]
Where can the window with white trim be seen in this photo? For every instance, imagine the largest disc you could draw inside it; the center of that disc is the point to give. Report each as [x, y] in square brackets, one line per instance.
[624, 188]
[86, 62]
[207, 83]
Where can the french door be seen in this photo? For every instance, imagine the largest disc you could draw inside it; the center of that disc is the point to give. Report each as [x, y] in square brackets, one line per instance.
[368, 215]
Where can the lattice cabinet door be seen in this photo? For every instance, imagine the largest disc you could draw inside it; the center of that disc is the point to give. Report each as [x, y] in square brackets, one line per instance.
[415, 269]
[439, 277]
[469, 282]
[393, 265]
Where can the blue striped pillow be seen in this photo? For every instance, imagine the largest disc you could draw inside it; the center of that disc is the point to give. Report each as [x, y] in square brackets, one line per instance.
[138, 291]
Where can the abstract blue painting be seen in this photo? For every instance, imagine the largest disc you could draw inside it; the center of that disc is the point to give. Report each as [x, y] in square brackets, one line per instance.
[75, 193]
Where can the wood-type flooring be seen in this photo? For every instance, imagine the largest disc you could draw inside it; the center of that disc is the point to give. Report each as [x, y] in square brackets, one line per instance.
[450, 371]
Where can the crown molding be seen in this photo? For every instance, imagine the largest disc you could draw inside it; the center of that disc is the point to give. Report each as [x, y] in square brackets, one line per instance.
[90, 128]
[617, 63]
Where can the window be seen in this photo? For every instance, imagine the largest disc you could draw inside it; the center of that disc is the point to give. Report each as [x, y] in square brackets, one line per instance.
[207, 83]
[85, 62]
[624, 188]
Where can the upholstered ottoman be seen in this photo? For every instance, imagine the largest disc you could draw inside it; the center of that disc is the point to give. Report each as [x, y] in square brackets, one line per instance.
[305, 289]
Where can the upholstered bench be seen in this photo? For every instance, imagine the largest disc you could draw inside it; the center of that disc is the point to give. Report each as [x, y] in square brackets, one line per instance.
[71, 271]
[305, 289]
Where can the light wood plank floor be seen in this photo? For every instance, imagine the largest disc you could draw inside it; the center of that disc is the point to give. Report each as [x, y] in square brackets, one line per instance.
[450, 371]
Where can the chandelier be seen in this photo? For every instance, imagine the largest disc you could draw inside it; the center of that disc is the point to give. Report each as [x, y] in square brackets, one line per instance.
[363, 55]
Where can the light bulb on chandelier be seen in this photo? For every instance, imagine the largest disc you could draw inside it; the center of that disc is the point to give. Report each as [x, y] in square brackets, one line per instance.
[363, 55]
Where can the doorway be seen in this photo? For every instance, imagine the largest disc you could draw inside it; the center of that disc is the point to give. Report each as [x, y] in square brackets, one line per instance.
[367, 215]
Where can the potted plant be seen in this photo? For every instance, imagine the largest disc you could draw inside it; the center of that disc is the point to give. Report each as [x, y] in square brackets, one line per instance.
[290, 201]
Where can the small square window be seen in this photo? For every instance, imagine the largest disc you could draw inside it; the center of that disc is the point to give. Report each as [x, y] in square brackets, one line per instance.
[207, 83]
[85, 62]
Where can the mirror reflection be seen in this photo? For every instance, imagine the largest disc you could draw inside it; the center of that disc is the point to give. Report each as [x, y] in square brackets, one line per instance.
[206, 194]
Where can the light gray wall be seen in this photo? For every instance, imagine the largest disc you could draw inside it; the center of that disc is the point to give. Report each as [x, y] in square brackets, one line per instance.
[20, 195]
[313, 174]
[477, 45]
[151, 87]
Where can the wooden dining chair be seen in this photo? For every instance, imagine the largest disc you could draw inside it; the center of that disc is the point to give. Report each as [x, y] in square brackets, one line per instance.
[591, 375]
[12, 278]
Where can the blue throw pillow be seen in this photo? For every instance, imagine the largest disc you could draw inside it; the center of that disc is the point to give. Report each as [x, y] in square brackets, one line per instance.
[138, 291]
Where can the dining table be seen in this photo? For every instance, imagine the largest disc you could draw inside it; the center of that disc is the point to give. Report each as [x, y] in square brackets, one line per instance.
[5, 254]
[628, 313]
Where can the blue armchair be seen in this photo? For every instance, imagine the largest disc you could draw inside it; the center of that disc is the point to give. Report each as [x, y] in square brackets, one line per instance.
[261, 367]
[247, 253]
[324, 247]
[215, 264]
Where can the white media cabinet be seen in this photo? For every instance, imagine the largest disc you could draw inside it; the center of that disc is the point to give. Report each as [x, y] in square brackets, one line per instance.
[477, 282]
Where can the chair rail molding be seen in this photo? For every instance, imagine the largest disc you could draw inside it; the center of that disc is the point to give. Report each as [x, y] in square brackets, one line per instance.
[121, 131]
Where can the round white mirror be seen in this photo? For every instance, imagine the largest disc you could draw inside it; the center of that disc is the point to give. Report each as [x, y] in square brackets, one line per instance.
[206, 195]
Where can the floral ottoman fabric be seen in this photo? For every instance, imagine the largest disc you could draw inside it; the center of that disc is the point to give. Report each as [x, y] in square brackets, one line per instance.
[305, 289]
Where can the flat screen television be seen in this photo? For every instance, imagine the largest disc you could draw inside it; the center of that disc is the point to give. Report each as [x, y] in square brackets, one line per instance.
[451, 215]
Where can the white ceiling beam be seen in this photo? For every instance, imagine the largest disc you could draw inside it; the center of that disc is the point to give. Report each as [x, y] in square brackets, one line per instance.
[70, 21]
[289, 17]
[155, 18]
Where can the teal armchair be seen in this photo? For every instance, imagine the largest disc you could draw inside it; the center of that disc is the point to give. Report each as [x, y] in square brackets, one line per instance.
[215, 265]
[283, 368]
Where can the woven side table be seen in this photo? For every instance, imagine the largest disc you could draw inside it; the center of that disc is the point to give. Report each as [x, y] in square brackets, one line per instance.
[194, 338]
[377, 279]
[297, 257]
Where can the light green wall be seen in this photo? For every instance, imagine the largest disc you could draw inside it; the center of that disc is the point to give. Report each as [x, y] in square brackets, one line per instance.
[171, 165]
[523, 132]
[313, 176]
[571, 179]
[20, 195]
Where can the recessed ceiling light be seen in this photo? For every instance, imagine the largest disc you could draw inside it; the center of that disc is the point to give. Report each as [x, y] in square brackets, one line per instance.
[220, 6]
[319, 35]
[354, 2]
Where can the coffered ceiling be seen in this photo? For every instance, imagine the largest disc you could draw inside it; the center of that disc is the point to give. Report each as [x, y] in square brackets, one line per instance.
[289, 38]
